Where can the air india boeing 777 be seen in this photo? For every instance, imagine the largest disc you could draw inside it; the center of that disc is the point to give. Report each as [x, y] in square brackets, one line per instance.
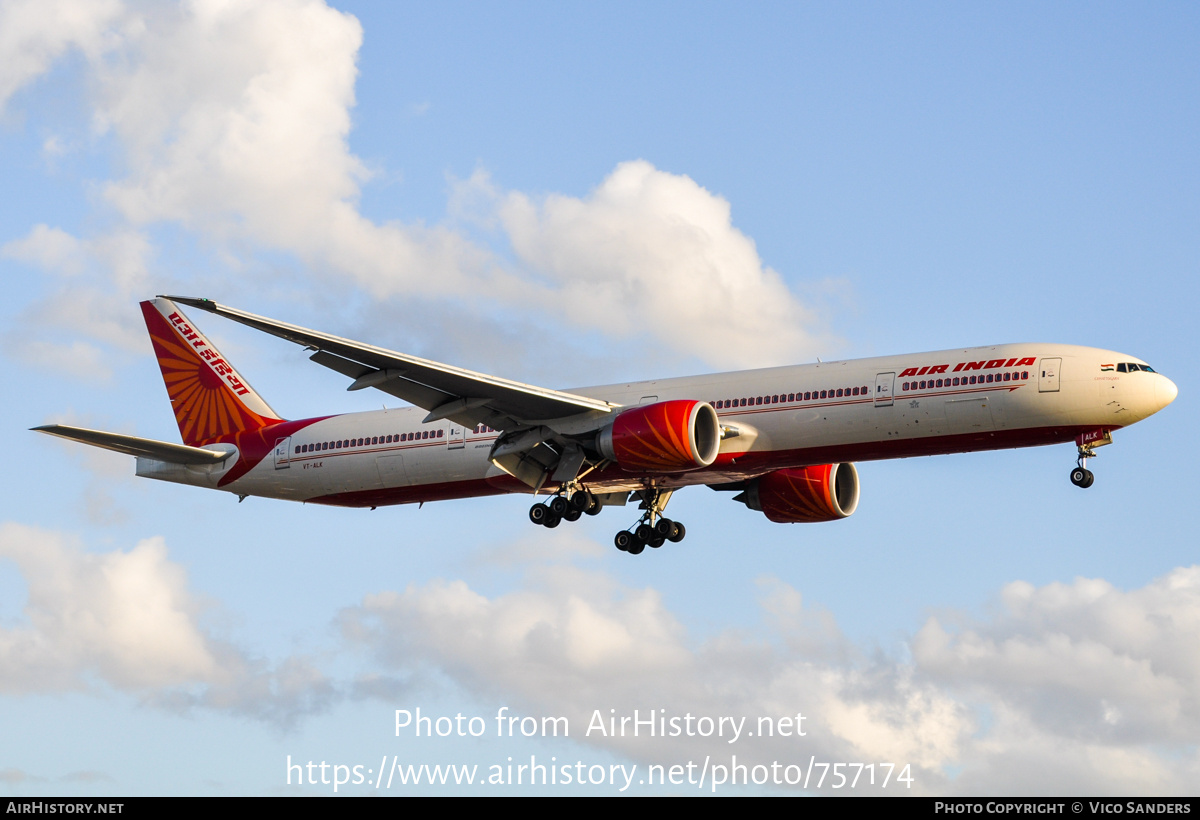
[783, 438]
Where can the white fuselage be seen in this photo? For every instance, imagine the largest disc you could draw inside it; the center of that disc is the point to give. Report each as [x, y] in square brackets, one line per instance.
[889, 407]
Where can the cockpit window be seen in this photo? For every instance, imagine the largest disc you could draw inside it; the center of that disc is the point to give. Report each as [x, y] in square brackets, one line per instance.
[1134, 367]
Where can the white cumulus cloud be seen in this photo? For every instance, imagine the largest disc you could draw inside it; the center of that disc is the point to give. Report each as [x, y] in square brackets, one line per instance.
[50, 248]
[233, 121]
[128, 619]
[124, 616]
[1084, 658]
[577, 643]
[1077, 688]
[654, 253]
[34, 33]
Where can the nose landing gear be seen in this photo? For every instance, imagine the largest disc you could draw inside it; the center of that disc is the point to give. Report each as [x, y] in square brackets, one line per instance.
[1081, 476]
[1087, 443]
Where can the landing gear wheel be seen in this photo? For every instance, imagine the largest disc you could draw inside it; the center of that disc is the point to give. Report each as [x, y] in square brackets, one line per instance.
[665, 528]
[678, 535]
[1091, 479]
[582, 501]
[551, 521]
[559, 506]
[538, 513]
[1082, 477]
[572, 514]
[644, 532]
[657, 541]
[636, 547]
[624, 540]
[595, 508]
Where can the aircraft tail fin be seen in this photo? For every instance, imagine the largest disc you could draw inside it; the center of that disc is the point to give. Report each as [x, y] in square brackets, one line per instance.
[211, 400]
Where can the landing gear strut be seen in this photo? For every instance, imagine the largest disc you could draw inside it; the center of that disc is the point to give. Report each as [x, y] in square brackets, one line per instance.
[1081, 476]
[653, 529]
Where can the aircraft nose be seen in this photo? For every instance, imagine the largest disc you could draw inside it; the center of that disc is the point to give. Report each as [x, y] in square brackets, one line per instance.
[1165, 391]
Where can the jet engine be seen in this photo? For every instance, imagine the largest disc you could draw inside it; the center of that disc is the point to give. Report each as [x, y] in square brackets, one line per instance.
[804, 495]
[666, 437]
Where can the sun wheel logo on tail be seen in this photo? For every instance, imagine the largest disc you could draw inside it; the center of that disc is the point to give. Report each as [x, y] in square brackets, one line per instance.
[667, 437]
[212, 401]
[804, 495]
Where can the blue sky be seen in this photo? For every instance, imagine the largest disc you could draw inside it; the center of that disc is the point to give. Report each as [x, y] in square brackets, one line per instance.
[569, 195]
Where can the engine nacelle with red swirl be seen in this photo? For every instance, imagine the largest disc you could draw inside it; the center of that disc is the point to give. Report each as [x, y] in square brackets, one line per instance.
[804, 495]
[666, 437]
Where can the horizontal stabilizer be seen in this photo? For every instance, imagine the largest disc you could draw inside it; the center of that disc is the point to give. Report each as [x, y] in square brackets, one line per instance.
[134, 446]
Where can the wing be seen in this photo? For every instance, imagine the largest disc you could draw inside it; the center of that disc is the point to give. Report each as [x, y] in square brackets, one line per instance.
[134, 446]
[447, 392]
[540, 428]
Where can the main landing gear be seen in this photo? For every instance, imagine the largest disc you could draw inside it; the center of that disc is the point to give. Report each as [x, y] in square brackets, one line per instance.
[653, 529]
[1081, 476]
[645, 535]
[563, 508]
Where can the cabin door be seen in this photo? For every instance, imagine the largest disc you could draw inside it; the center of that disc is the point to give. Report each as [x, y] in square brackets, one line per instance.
[883, 389]
[1048, 380]
[283, 449]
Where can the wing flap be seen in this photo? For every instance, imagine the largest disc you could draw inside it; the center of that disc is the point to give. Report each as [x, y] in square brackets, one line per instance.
[135, 446]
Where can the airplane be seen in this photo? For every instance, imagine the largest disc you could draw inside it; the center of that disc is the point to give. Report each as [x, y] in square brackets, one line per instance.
[785, 439]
